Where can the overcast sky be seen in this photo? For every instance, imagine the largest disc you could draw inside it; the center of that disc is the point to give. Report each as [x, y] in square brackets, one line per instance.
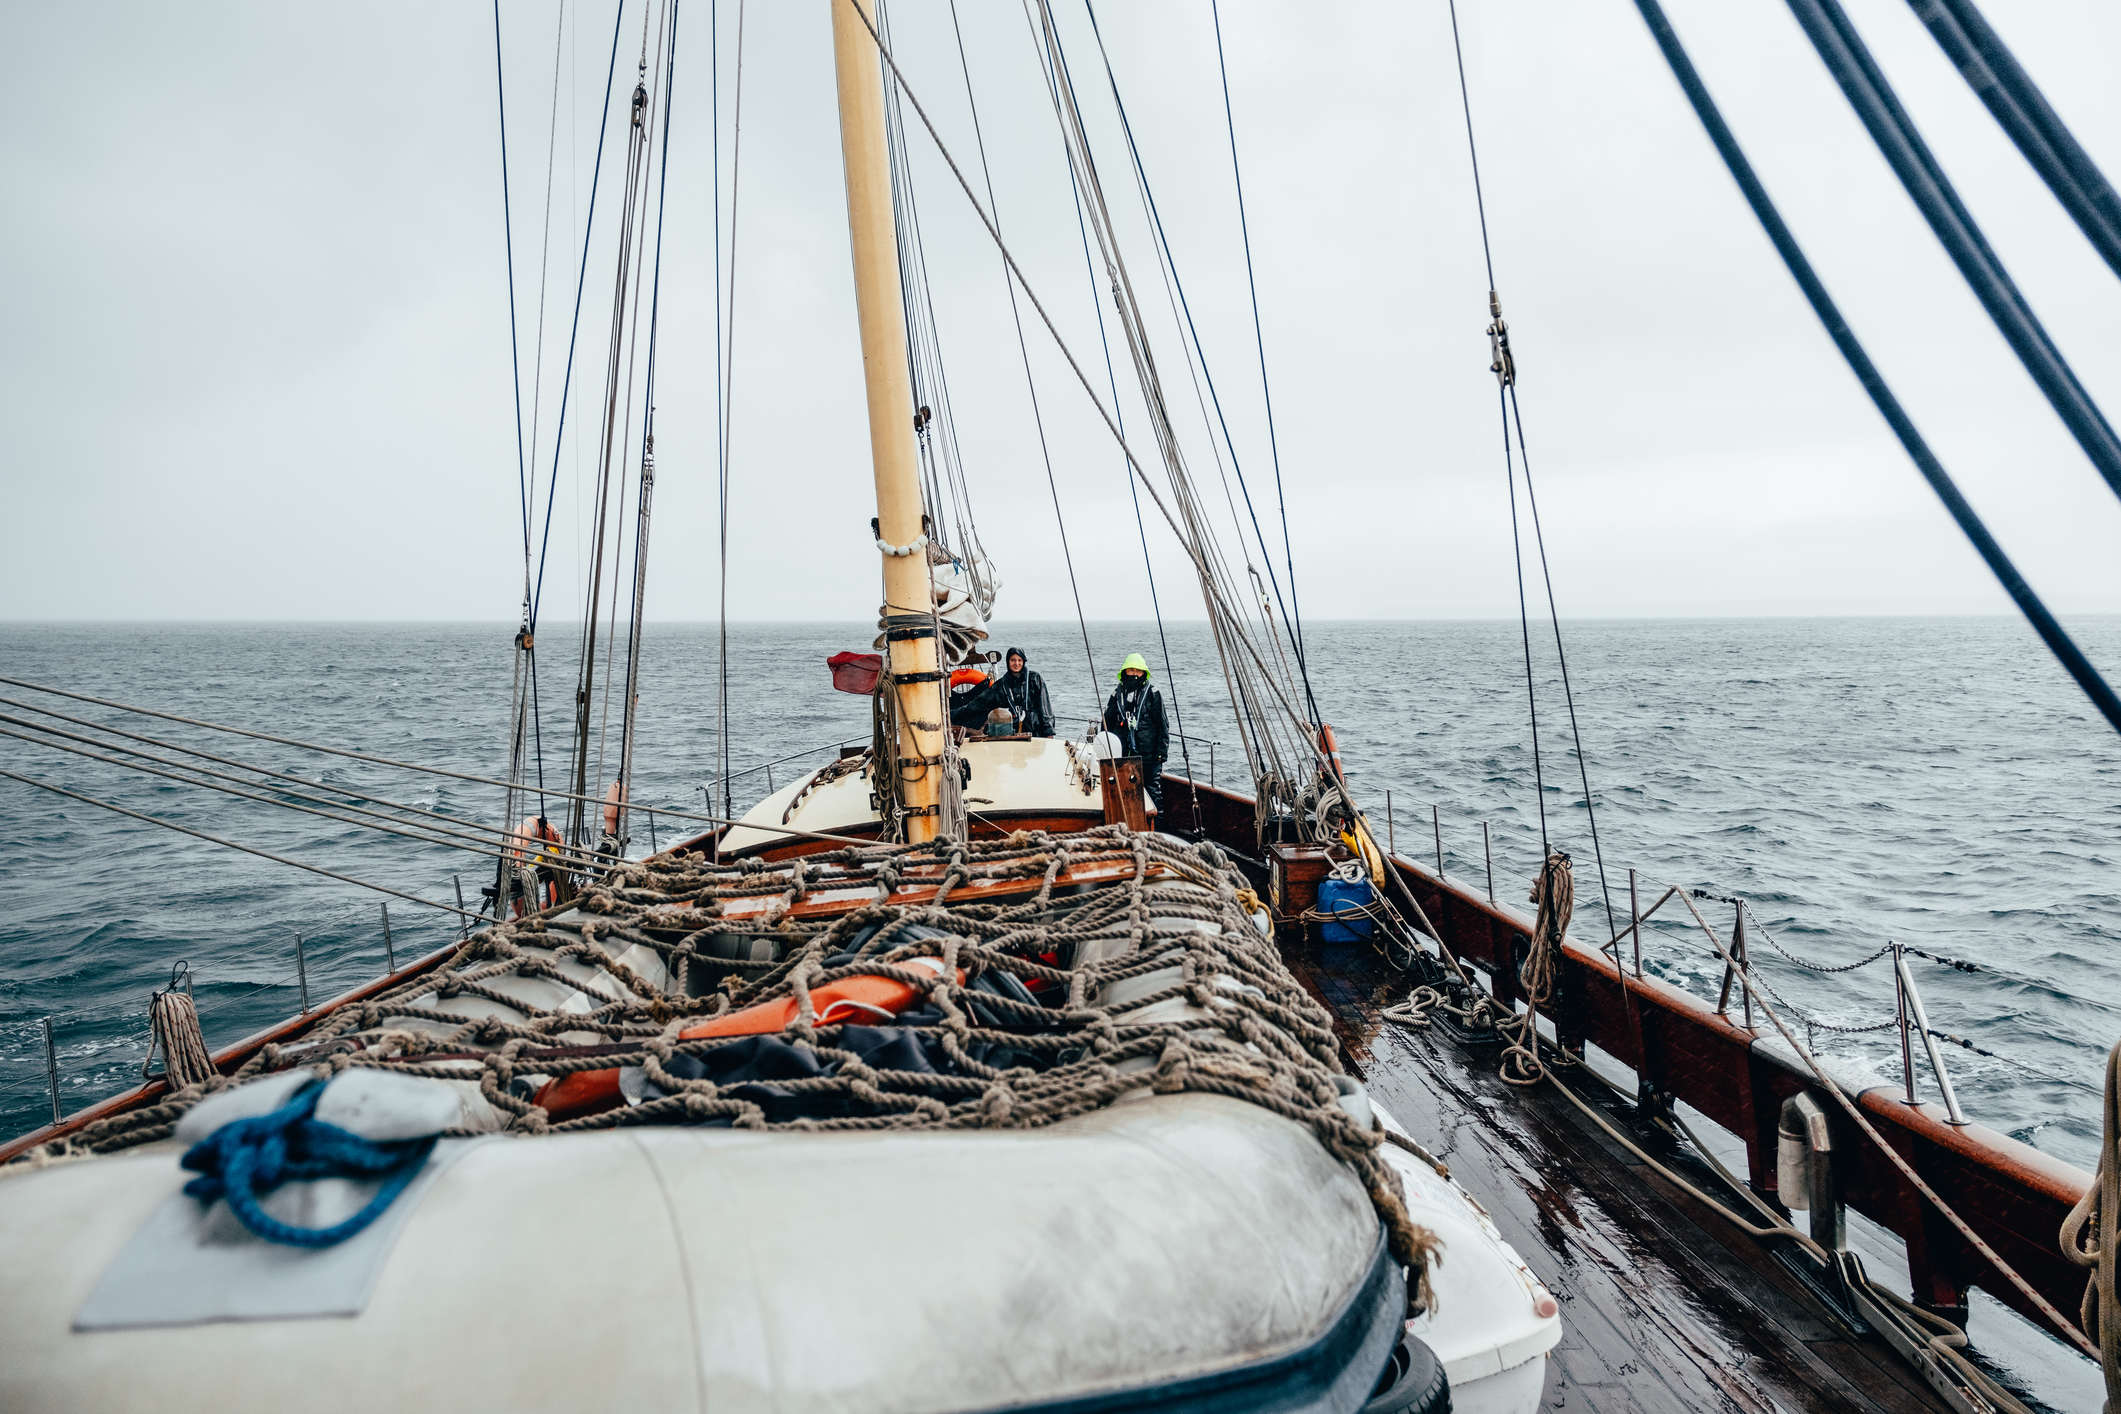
[254, 319]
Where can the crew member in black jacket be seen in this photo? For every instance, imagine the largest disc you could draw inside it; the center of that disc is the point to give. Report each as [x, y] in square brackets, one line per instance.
[1023, 692]
[1135, 714]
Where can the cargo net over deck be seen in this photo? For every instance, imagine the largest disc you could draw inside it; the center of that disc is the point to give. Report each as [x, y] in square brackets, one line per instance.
[1006, 984]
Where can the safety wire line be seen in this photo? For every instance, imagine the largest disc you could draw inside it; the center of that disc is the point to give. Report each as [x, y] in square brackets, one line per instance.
[1846, 57]
[1075, 366]
[396, 812]
[1170, 261]
[2019, 107]
[508, 236]
[537, 595]
[1259, 339]
[492, 848]
[440, 771]
[2043, 621]
[241, 848]
[1023, 349]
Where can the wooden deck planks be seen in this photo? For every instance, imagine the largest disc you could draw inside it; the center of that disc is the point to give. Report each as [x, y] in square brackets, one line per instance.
[1664, 1305]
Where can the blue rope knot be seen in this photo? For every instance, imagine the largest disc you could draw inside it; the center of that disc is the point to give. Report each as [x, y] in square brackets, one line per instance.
[246, 1159]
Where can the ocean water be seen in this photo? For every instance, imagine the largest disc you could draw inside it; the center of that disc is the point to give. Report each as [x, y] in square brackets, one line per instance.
[1935, 782]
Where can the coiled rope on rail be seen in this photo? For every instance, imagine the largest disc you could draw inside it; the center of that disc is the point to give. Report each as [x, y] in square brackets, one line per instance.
[2091, 1238]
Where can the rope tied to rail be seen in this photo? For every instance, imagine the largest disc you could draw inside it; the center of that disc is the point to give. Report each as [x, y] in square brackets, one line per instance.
[2090, 1239]
[173, 1026]
[1554, 894]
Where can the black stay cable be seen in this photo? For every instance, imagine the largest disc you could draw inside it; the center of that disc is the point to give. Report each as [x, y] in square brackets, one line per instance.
[1505, 368]
[1259, 340]
[1998, 80]
[1178, 284]
[580, 284]
[508, 232]
[1895, 134]
[1568, 691]
[2029, 603]
[1524, 621]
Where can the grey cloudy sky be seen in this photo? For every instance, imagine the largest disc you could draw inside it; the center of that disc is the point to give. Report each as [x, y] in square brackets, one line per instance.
[255, 348]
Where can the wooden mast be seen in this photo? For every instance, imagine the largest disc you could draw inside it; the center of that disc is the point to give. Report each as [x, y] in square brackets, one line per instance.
[922, 713]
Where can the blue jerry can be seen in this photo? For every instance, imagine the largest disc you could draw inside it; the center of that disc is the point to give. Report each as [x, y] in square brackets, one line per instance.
[1342, 897]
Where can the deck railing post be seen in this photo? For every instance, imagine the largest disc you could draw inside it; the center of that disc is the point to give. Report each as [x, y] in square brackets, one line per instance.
[1634, 919]
[1921, 1021]
[51, 1068]
[390, 948]
[1738, 951]
[1907, 1055]
[653, 848]
[769, 778]
[301, 972]
[463, 920]
[1436, 824]
[1211, 763]
[1391, 835]
[1487, 850]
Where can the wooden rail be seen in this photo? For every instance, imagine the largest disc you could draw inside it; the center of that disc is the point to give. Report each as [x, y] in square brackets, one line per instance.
[1680, 1047]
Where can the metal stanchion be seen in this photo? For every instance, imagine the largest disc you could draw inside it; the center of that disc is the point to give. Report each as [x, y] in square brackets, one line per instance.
[302, 972]
[1436, 824]
[1634, 919]
[1487, 850]
[1907, 1056]
[1391, 836]
[390, 949]
[51, 1067]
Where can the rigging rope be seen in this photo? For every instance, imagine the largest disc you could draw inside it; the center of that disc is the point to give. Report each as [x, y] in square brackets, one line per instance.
[1217, 602]
[581, 283]
[1169, 260]
[1023, 349]
[1998, 80]
[645, 500]
[1259, 339]
[508, 236]
[2029, 603]
[1141, 526]
[1256, 722]
[725, 348]
[1901, 144]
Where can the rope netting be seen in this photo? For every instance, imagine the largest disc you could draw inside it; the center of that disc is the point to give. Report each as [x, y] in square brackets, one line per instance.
[1002, 984]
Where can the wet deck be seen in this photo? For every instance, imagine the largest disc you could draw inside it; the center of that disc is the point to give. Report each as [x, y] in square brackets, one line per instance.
[1664, 1304]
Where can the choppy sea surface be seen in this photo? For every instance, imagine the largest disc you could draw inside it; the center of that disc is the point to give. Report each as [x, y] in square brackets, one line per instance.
[1933, 782]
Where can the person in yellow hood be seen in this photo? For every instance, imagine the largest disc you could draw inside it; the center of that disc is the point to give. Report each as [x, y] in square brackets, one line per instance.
[1135, 714]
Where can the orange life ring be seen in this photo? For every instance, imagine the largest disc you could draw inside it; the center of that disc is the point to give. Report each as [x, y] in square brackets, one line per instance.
[851, 999]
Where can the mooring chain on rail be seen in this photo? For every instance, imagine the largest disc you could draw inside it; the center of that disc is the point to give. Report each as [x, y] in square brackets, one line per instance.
[1170, 918]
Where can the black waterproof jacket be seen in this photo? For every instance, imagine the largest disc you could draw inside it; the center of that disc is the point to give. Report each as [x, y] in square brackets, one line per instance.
[1024, 694]
[1136, 717]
